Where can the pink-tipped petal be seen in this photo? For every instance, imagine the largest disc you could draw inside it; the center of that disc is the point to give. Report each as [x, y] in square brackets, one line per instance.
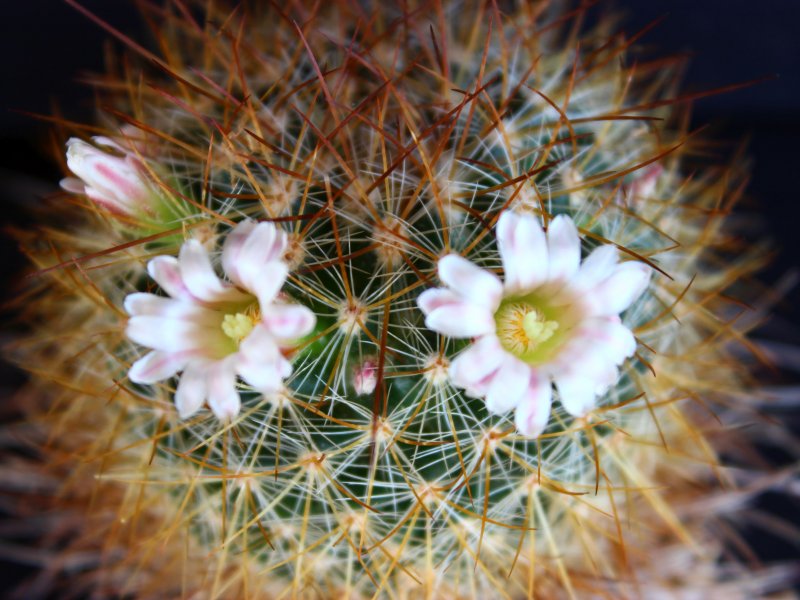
[430, 300]
[477, 362]
[157, 366]
[199, 277]
[533, 411]
[523, 249]
[143, 304]
[260, 245]
[223, 399]
[172, 335]
[232, 249]
[473, 283]
[563, 249]
[266, 243]
[461, 320]
[166, 273]
[289, 321]
[192, 390]
[508, 385]
[118, 179]
[103, 200]
[621, 289]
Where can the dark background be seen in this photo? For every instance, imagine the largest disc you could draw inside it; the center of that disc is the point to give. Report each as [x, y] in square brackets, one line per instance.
[46, 46]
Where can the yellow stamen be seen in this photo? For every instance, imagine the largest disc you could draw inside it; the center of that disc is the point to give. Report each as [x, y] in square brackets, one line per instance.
[522, 328]
[537, 329]
[238, 326]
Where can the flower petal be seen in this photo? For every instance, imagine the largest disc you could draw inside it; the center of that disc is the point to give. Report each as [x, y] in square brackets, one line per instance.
[610, 336]
[563, 249]
[284, 367]
[523, 249]
[260, 346]
[508, 385]
[430, 300]
[621, 289]
[232, 249]
[533, 411]
[260, 362]
[172, 335]
[577, 393]
[157, 366]
[254, 245]
[265, 243]
[167, 274]
[192, 390]
[223, 399]
[289, 321]
[265, 280]
[598, 266]
[461, 320]
[470, 281]
[265, 378]
[141, 304]
[476, 362]
[73, 185]
[199, 277]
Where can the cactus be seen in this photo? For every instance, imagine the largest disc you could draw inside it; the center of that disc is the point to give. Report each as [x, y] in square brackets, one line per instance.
[243, 390]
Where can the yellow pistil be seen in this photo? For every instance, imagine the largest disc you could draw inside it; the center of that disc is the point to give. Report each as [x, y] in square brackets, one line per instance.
[521, 328]
[537, 328]
[238, 326]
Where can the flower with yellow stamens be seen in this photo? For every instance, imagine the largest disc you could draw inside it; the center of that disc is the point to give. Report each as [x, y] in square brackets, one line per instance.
[553, 320]
[213, 330]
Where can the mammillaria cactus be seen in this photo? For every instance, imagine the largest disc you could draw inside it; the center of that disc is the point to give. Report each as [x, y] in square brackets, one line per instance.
[387, 300]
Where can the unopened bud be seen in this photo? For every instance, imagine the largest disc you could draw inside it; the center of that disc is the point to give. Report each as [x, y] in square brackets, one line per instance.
[365, 377]
[117, 183]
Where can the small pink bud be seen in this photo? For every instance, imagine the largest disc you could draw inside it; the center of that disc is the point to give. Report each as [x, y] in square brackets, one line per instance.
[643, 187]
[117, 183]
[365, 377]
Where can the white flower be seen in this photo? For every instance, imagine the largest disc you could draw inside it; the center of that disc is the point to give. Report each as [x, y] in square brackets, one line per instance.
[117, 183]
[552, 320]
[213, 330]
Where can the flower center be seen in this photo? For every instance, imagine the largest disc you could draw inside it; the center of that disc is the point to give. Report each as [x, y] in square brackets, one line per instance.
[537, 328]
[238, 326]
[522, 328]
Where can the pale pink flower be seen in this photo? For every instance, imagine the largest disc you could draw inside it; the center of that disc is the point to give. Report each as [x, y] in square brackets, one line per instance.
[214, 330]
[115, 181]
[553, 320]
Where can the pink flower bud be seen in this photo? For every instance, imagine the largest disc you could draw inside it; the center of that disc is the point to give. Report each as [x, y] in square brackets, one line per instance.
[365, 377]
[115, 182]
[644, 186]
